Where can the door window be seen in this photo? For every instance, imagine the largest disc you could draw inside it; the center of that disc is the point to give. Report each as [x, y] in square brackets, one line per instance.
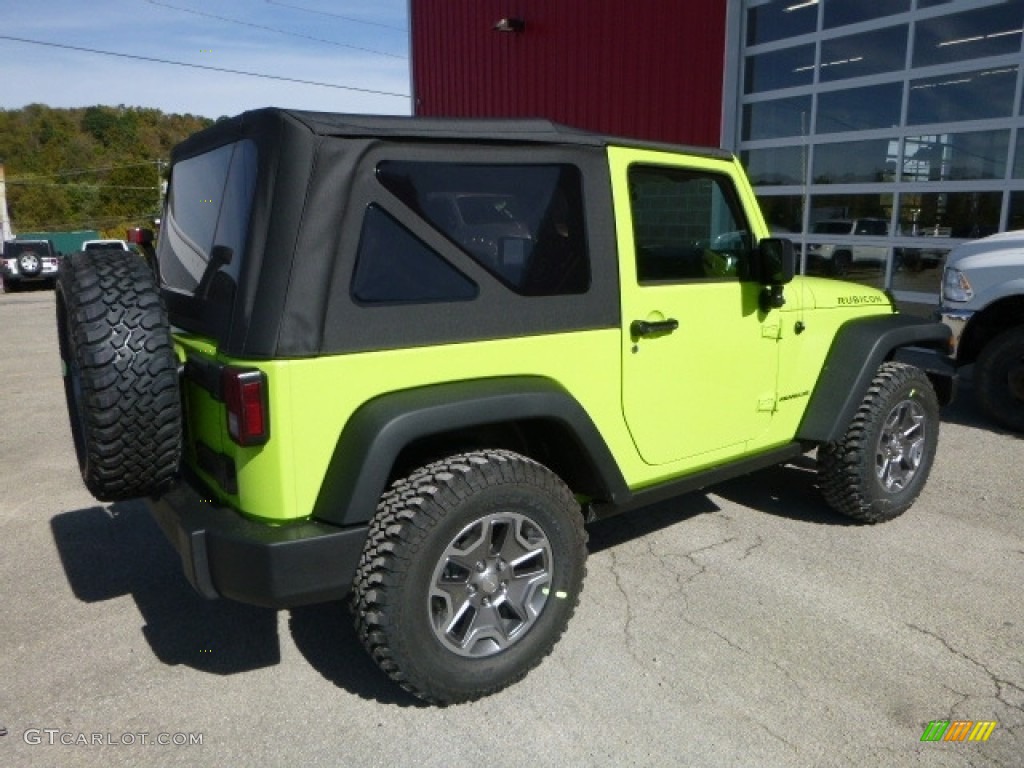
[687, 226]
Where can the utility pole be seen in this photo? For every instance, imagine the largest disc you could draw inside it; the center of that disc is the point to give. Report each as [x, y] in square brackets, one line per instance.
[159, 188]
[5, 219]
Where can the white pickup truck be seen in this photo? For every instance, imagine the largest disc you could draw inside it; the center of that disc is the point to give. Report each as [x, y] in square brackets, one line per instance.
[105, 245]
[983, 304]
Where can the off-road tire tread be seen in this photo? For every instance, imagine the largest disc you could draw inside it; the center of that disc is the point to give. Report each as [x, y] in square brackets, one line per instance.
[420, 501]
[985, 378]
[113, 324]
[841, 464]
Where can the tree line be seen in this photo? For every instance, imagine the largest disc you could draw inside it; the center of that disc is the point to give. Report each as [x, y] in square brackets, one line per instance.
[87, 168]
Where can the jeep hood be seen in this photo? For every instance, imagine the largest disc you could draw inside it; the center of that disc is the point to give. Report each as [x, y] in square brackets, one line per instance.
[826, 293]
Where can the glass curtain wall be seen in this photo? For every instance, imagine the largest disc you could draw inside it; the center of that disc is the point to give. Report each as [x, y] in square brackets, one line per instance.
[881, 134]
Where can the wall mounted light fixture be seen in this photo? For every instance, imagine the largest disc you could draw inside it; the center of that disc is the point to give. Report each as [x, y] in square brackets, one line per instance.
[510, 24]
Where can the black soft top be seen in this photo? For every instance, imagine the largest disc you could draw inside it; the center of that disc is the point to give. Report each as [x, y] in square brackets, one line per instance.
[401, 127]
[314, 180]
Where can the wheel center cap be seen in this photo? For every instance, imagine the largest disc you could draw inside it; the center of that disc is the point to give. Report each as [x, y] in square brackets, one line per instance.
[488, 583]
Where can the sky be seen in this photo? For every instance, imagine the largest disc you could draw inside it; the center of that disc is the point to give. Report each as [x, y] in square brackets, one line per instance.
[351, 43]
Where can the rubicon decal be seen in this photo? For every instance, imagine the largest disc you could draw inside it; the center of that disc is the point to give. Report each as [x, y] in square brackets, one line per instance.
[958, 730]
[869, 298]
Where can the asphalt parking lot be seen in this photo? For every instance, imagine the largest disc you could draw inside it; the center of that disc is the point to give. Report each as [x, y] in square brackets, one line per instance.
[747, 626]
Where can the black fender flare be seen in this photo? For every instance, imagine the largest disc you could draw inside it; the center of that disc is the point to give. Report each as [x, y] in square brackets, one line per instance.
[860, 346]
[375, 435]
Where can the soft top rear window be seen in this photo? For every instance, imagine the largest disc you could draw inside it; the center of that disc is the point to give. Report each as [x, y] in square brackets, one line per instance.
[203, 237]
[35, 246]
[522, 222]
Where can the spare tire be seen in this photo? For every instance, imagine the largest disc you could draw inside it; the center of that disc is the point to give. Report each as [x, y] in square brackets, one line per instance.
[120, 375]
[30, 264]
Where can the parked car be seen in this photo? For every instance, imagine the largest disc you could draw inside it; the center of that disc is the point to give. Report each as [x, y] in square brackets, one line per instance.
[983, 304]
[837, 258]
[29, 262]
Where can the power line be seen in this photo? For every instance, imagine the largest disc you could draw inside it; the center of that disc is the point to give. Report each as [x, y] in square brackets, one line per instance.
[275, 29]
[206, 67]
[338, 16]
[80, 171]
[95, 223]
[74, 184]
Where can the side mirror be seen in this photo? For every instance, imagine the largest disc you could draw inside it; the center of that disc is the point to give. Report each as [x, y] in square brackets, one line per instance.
[776, 260]
[776, 266]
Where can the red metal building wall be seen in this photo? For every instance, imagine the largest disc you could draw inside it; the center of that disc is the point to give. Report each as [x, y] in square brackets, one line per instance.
[649, 69]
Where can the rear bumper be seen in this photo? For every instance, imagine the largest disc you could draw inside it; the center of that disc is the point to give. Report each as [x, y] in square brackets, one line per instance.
[12, 272]
[226, 555]
[18, 277]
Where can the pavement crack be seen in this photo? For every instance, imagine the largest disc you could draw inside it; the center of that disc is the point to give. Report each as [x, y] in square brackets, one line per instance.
[701, 567]
[627, 627]
[713, 545]
[758, 542]
[771, 662]
[962, 697]
[1002, 687]
[777, 736]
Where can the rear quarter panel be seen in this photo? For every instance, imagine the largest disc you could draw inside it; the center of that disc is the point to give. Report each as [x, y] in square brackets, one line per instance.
[312, 399]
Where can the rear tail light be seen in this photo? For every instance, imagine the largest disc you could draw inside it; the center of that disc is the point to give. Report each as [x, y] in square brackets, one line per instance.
[140, 236]
[245, 395]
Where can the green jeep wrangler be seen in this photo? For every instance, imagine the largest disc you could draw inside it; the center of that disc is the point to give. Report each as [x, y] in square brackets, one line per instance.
[407, 360]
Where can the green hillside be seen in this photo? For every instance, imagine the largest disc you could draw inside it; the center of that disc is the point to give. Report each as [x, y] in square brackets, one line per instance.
[88, 168]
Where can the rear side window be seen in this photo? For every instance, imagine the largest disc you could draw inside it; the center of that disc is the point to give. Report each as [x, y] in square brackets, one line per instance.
[523, 223]
[208, 205]
[393, 266]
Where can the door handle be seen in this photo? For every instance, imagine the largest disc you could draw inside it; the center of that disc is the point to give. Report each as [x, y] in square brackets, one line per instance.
[641, 328]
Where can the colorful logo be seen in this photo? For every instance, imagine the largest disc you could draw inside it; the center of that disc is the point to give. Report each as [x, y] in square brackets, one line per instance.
[958, 730]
